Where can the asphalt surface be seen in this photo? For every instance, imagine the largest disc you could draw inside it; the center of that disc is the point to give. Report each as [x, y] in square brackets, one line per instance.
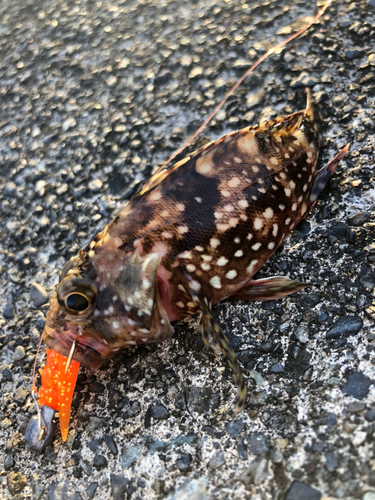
[93, 97]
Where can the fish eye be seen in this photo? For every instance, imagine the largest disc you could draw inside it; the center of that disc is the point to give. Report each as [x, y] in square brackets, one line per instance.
[77, 302]
[77, 296]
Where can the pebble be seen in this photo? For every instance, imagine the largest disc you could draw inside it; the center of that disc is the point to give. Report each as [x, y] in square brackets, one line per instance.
[304, 80]
[21, 394]
[7, 374]
[355, 407]
[9, 461]
[62, 491]
[191, 489]
[370, 416]
[160, 412]
[110, 442]
[302, 334]
[258, 444]
[299, 491]
[96, 185]
[357, 385]
[100, 461]
[119, 486]
[234, 428]
[91, 489]
[130, 455]
[359, 219]
[256, 473]
[38, 295]
[331, 461]
[349, 325]
[19, 353]
[183, 462]
[9, 310]
[16, 482]
[217, 460]
[369, 495]
[359, 437]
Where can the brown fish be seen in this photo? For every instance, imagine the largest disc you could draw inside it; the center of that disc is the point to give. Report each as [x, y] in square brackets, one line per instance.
[196, 234]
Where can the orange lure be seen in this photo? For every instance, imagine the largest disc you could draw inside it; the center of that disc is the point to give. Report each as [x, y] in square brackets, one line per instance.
[58, 387]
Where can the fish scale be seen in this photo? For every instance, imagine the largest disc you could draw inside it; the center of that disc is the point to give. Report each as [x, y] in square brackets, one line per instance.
[196, 233]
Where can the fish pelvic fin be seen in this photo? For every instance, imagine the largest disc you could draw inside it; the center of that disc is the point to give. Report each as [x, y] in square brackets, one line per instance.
[325, 173]
[214, 337]
[272, 288]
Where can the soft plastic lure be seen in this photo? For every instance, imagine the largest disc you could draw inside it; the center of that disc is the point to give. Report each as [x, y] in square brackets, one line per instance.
[58, 387]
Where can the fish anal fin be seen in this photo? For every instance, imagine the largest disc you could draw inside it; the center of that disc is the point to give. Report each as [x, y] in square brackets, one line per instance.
[271, 288]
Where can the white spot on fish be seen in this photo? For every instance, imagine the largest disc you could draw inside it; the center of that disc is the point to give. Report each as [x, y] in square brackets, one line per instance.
[207, 257]
[271, 245]
[243, 203]
[274, 161]
[167, 234]
[231, 274]
[282, 207]
[198, 199]
[215, 282]
[237, 239]
[115, 325]
[203, 167]
[180, 304]
[155, 196]
[288, 192]
[233, 183]
[239, 253]
[180, 207]
[205, 267]
[195, 285]
[191, 268]
[256, 246]
[199, 248]
[294, 207]
[214, 242]
[268, 213]
[237, 160]
[182, 229]
[258, 223]
[275, 230]
[222, 261]
[185, 255]
[292, 184]
[250, 268]
[229, 208]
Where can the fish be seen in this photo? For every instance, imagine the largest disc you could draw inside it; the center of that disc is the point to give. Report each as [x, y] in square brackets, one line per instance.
[196, 234]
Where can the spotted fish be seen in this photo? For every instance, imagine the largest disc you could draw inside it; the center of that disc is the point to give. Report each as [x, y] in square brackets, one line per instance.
[196, 234]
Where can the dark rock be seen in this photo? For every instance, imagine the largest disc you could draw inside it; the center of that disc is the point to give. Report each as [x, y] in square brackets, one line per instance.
[331, 419]
[354, 54]
[234, 428]
[16, 482]
[110, 442]
[331, 461]
[304, 80]
[355, 407]
[202, 399]
[91, 489]
[160, 412]
[95, 444]
[242, 448]
[100, 461]
[359, 219]
[9, 310]
[258, 444]
[9, 461]
[183, 462]
[38, 295]
[119, 486]
[370, 416]
[357, 385]
[299, 491]
[349, 325]
[371, 3]
[62, 491]
[8, 375]
[277, 368]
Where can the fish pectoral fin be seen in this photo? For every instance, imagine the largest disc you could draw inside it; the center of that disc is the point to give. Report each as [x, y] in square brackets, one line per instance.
[271, 288]
[214, 337]
[325, 173]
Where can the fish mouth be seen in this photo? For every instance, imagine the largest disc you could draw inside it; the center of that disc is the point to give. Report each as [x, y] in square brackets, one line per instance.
[88, 351]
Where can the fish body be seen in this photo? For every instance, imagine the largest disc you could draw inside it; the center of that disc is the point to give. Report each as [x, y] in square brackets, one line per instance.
[196, 234]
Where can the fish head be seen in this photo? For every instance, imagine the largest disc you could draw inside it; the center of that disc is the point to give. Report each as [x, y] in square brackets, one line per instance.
[106, 300]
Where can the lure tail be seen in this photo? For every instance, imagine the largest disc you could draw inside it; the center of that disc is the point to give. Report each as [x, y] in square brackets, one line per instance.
[58, 387]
